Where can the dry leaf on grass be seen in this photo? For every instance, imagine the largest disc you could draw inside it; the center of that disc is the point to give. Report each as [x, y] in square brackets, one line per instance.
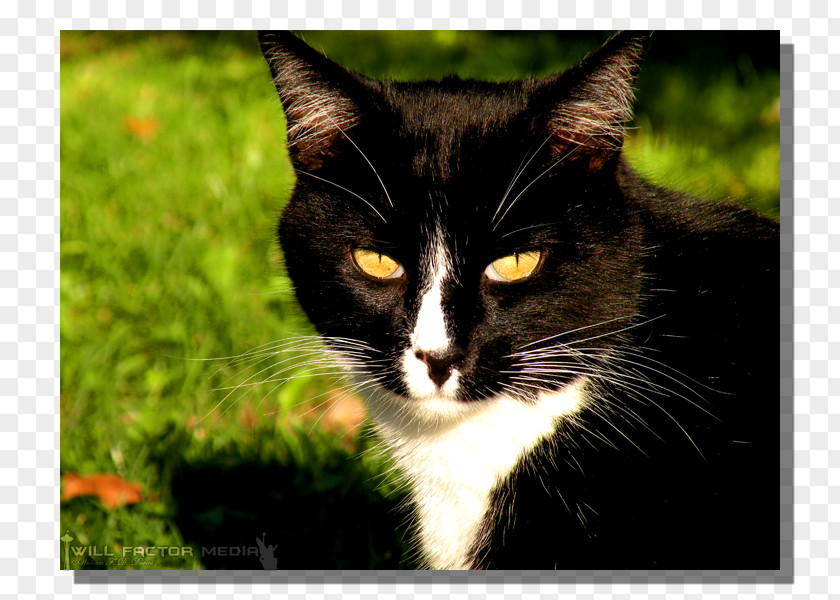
[113, 490]
[145, 129]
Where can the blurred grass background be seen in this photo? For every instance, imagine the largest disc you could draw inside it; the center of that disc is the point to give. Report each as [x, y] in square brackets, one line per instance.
[173, 175]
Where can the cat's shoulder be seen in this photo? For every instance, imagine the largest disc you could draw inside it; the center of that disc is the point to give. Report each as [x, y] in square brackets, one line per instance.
[675, 219]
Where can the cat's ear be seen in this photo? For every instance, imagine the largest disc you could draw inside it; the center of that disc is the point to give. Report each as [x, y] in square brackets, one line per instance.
[314, 92]
[590, 111]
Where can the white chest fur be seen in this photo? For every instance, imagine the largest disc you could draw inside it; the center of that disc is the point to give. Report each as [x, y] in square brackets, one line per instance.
[453, 466]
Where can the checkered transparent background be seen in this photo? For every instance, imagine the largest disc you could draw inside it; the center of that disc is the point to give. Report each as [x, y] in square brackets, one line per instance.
[29, 284]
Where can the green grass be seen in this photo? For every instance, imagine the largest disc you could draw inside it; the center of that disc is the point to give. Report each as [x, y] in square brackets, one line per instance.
[168, 256]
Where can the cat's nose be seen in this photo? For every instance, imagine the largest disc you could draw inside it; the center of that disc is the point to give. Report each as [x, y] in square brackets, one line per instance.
[440, 364]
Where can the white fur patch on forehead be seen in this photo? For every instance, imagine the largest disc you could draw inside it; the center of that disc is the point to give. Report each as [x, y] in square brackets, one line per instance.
[314, 109]
[430, 330]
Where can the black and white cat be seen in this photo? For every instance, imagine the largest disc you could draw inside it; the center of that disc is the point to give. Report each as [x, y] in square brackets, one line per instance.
[573, 368]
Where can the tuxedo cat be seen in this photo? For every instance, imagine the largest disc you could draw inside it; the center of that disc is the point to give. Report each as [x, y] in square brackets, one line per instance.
[571, 367]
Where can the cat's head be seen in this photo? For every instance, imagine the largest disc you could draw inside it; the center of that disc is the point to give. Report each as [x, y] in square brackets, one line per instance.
[458, 240]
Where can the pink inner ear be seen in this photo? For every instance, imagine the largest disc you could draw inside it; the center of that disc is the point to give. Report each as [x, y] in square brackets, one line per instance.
[588, 132]
[587, 125]
[576, 149]
[313, 111]
[317, 112]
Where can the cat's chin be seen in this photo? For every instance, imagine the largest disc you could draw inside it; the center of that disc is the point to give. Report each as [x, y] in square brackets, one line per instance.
[409, 412]
[403, 417]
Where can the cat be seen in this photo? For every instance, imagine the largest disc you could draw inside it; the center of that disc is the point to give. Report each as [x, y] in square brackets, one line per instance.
[572, 368]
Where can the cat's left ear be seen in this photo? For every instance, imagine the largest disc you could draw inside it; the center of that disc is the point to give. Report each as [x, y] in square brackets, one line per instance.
[592, 103]
[315, 93]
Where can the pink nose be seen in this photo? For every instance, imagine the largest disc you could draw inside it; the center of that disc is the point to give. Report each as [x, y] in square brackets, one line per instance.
[440, 364]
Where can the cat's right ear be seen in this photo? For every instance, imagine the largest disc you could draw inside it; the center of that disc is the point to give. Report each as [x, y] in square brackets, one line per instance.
[591, 104]
[313, 91]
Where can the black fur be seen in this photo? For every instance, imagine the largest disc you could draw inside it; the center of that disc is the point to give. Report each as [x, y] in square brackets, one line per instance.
[676, 466]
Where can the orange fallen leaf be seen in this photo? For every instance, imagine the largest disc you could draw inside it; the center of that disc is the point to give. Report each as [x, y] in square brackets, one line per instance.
[144, 129]
[113, 490]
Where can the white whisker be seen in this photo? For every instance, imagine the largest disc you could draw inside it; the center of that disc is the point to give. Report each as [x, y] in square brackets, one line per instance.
[517, 174]
[306, 357]
[384, 189]
[372, 207]
[570, 331]
[533, 181]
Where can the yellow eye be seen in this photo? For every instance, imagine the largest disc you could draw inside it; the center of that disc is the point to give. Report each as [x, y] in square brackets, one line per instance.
[377, 265]
[514, 267]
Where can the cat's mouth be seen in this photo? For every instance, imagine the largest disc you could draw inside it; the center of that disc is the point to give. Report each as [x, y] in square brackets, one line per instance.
[421, 405]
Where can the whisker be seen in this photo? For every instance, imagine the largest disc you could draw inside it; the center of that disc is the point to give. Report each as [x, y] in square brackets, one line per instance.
[533, 181]
[366, 160]
[517, 174]
[314, 355]
[269, 348]
[668, 367]
[637, 386]
[538, 225]
[237, 356]
[569, 331]
[603, 415]
[341, 187]
[616, 355]
[275, 364]
[627, 380]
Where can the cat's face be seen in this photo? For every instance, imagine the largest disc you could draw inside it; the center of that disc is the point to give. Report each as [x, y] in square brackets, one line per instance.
[457, 241]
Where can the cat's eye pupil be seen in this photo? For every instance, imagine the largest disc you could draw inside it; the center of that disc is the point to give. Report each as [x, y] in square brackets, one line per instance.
[514, 267]
[376, 264]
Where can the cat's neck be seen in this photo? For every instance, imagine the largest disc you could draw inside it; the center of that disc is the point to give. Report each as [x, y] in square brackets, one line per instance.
[452, 468]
